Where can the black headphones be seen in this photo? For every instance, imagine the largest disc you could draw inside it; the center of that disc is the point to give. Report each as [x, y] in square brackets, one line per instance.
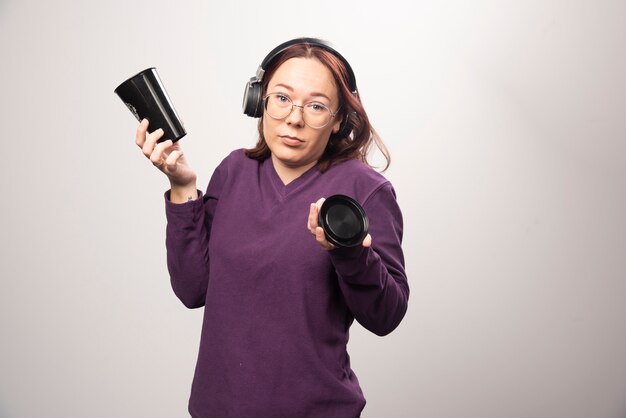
[253, 94]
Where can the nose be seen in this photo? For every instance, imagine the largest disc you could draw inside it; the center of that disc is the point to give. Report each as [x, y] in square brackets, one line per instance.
[296, 117]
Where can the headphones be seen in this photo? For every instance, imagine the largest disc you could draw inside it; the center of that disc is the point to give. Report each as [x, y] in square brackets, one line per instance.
[253, 93]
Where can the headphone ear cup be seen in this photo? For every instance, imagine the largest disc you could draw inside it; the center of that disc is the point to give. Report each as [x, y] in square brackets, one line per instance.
[345, 129]
[252, 99]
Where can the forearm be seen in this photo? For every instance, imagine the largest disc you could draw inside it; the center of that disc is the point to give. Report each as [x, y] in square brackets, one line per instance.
[187, 241]
[373, 280]
[376, 292]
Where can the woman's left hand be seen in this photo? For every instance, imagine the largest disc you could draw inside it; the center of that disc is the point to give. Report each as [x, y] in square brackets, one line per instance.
[318, 232]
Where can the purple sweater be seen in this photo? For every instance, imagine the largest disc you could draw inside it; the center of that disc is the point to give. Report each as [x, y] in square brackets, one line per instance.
[277, 307]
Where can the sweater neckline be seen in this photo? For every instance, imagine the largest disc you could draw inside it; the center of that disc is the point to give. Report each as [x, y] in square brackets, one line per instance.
[285, 189]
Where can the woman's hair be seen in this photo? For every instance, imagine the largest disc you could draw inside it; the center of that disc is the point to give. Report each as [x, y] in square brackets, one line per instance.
[341, 147]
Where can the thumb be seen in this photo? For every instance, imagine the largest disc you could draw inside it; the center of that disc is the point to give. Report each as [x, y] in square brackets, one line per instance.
[367, 242]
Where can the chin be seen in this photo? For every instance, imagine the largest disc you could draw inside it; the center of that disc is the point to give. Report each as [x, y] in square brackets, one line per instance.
[289, 157]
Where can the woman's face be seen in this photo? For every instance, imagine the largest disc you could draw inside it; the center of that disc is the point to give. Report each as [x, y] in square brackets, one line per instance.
[295, 145]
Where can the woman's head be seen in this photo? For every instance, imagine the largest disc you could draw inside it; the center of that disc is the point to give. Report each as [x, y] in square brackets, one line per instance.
[318, 77]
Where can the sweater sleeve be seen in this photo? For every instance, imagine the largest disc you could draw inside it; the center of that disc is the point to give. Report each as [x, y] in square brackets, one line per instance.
[373, 280]
[187, 242]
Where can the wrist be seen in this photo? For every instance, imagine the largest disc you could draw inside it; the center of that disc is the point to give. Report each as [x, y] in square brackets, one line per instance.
[183, 193]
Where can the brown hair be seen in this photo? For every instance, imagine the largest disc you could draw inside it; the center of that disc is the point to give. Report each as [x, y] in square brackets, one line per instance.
[340, 147]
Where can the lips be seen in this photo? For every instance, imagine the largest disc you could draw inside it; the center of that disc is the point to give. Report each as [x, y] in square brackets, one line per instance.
[291, 141]
[291, 138]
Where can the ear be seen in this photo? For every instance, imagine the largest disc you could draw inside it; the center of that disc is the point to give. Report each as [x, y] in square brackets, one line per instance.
[337, 125]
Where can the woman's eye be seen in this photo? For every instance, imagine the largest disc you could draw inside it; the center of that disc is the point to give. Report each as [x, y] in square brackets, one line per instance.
[281, 98]
[316, 107]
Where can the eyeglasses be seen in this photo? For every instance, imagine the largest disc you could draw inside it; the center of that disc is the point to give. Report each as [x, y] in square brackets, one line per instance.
[315, 115]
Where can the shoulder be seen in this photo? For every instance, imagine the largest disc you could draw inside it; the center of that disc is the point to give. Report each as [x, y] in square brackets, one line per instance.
[357, 170]
[236, 158]
[233, 166]
[357, 179]
[236, 162]
[373, 191]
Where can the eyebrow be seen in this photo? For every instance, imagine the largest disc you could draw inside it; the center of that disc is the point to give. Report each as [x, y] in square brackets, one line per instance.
[313, 94]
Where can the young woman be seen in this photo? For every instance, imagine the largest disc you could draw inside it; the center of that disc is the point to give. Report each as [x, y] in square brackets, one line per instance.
[278, 298]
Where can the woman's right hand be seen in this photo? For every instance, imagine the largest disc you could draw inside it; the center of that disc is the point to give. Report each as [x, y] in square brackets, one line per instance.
[168, 157]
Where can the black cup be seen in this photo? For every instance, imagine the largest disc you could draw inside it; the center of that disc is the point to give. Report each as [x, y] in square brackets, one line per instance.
[145, 97]
[344, 221]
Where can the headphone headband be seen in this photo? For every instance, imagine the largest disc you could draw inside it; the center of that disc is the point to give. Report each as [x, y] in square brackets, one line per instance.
[252, 99]
[313, 42]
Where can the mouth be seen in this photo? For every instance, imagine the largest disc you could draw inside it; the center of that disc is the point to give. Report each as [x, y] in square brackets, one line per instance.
[291, 141]
[291, 138]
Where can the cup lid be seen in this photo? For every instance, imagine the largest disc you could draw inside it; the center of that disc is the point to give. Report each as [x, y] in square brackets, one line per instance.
[344, 221]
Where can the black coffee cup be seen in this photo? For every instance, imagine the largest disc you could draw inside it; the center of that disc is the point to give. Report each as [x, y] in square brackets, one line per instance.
[145, 97]
[344, 221]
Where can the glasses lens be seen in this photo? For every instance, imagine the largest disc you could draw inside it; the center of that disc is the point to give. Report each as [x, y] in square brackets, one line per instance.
[278, 106]
[315, 115]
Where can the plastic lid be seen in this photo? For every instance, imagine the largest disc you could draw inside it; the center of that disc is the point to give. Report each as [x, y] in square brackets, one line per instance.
[344, 221]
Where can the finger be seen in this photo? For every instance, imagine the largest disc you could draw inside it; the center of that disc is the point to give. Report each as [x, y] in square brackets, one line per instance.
[311, 223]
[367, 242]
[158, 154]
[172, 160]
[151, 142]
[314, 212]
[163, 148]
[140, 135]
[320, 237]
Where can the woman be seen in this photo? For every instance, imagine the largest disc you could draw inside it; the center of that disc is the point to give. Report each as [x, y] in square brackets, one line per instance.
[278, 298]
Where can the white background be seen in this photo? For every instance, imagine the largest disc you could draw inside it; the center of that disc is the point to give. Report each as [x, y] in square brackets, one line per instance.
[506, 124]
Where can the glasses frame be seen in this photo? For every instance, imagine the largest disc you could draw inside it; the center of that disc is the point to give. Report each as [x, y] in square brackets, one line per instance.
[301, 107]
